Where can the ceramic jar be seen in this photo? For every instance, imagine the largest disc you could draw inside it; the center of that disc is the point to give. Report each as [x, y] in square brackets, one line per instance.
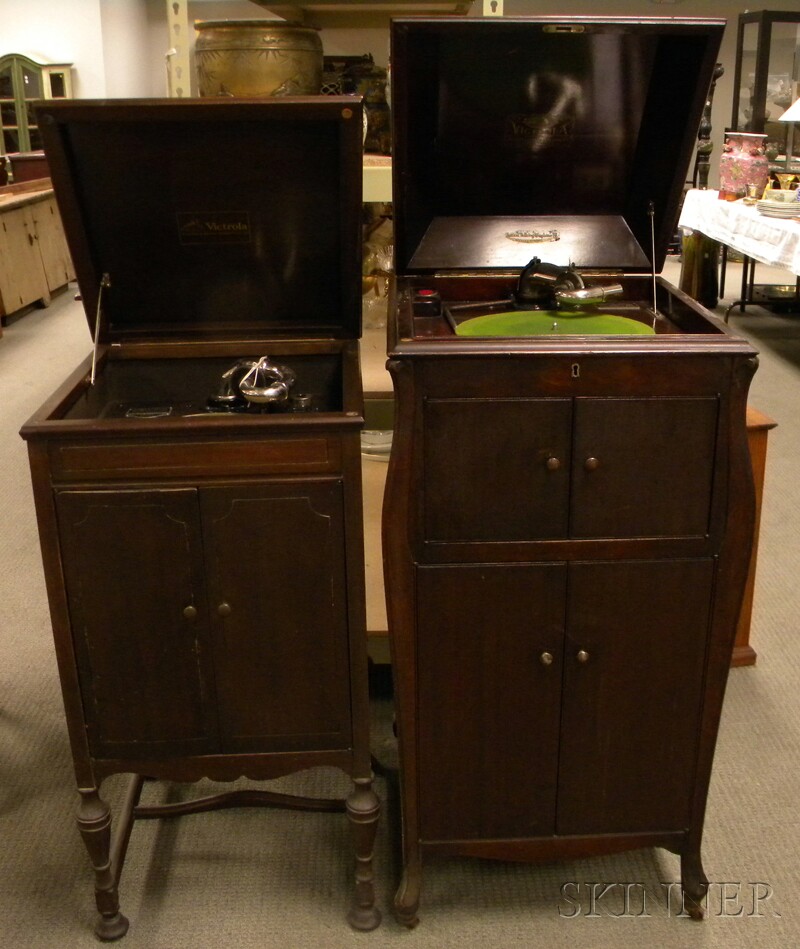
[743, 163]
[257, 58]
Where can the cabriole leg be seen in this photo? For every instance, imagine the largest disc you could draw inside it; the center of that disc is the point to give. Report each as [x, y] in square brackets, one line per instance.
[694, 884]
[406, 900]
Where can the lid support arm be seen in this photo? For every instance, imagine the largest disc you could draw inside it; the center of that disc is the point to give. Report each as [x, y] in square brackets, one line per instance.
[105, 283]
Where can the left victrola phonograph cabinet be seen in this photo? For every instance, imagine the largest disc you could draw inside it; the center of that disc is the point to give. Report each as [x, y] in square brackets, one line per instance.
[569, 504]
[197, 480]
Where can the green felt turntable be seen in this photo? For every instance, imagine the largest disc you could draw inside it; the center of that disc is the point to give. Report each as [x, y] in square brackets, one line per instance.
[552, 323]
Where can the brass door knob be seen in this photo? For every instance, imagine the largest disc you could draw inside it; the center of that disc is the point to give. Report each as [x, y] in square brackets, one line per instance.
[190, 612]
[224, 609]
[582, 656]
[553, 463]
[546, 659]
[591, 464]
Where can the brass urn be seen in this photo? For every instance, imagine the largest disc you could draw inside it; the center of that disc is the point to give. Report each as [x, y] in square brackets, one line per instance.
[257, 58]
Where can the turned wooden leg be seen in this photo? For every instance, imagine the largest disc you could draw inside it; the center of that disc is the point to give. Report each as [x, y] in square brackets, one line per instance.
[94, 823]
[406, 900]
[694, 884]
[363, 810]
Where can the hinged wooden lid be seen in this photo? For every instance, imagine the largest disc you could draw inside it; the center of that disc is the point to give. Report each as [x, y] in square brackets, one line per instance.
[544, 137]
[212, 218]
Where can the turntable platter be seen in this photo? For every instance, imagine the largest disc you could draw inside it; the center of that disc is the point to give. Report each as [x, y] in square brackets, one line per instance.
[552, 323]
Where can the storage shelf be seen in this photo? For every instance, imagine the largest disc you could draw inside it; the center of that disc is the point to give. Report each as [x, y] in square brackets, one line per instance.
[371, 13]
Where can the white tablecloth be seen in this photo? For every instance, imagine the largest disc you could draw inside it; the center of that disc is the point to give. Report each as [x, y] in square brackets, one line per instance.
[766, 239]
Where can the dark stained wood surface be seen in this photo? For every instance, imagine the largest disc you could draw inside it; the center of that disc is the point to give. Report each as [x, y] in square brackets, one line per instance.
[205, 572]
[145, 667]
[277, 595]
[629, 721]
[207, 597]
[495, 781]
[270, 247]
[635, 554]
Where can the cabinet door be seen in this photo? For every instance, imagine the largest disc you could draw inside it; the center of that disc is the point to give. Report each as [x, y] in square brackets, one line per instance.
[22, 276]
[275, 560]
[643, 467]
[20, 84]
[9, 104]
[633, 685]
[489, 643]
[56, 261]
[134, 577]
[496, 469]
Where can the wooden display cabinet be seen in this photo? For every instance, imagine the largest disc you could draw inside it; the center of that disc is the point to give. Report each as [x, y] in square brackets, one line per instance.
[22, 82]
[766, 80]
[205, 565]
[34, 260]
[568, 518]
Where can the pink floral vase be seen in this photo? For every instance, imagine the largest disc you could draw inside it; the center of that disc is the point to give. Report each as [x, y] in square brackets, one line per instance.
[743, 163]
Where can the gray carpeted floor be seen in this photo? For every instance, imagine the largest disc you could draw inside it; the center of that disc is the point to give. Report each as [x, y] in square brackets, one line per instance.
[277, 879]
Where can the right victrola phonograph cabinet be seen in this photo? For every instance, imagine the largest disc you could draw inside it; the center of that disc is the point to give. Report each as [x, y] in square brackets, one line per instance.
[569, 505]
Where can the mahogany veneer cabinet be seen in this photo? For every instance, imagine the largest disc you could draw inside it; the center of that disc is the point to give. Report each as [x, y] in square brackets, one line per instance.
[567, 519]
[205, 569]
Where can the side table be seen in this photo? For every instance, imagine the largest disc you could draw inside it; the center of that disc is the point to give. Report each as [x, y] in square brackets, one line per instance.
[758, 428]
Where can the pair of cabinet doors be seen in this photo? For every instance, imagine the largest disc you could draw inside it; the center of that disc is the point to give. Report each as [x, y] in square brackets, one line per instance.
[561, 697]
[209, 620]
[558, 698]
[516, 469]
[34, 260]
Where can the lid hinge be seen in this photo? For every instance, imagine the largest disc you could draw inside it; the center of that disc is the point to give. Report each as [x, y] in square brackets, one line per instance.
[105, 283]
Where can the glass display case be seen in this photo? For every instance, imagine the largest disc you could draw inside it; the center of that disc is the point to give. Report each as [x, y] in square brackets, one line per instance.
[22, 82]
[767, 80]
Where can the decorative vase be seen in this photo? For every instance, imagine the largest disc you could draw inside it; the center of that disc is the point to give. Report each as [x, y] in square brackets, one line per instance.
[743, 163]
[257, 58]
